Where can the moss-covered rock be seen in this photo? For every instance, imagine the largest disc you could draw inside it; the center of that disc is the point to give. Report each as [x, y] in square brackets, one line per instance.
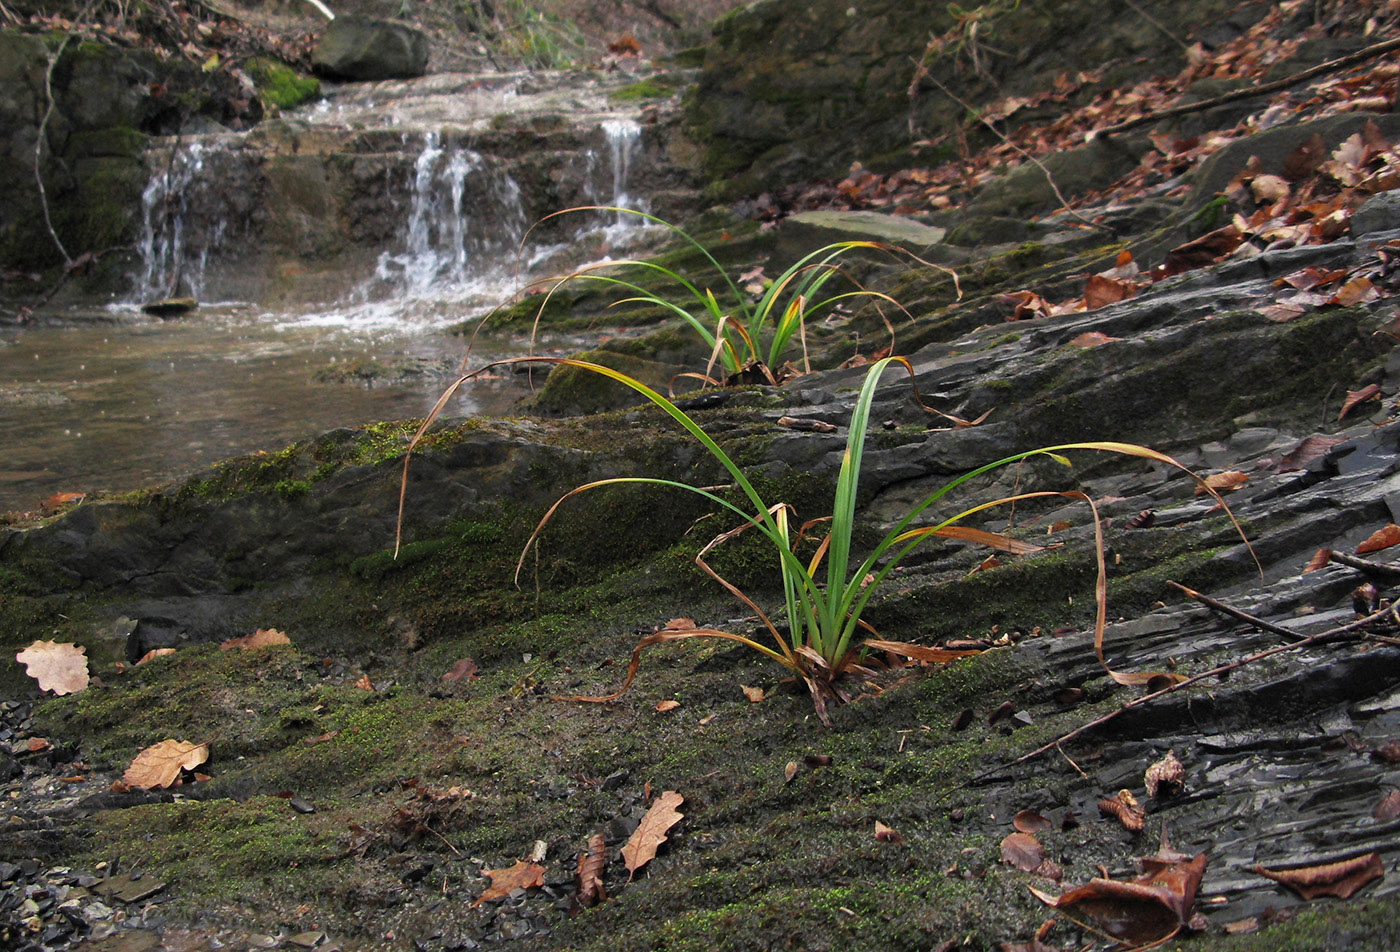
[280, 85]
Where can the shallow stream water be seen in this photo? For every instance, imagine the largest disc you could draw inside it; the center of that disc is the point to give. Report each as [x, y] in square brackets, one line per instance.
[110, 399]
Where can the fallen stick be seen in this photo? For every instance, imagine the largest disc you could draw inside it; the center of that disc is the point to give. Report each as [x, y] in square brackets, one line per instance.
[1379, 569]
[1322, 69]
[1332, 634]
[1224, 609]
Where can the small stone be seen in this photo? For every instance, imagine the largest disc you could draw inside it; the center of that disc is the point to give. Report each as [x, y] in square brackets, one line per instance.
[300, 805]
[308, 940]
[259, 941]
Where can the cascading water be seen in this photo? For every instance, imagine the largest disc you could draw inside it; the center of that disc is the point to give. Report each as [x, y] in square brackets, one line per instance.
[179, 227]
[465, 216]
[624, 137]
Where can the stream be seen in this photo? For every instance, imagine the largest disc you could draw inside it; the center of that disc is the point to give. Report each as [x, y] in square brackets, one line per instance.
[285, 345]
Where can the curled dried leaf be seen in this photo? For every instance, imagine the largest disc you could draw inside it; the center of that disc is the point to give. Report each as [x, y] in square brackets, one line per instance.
[590, 872]
[1354, 397]
[1167, 776]
[1320, 560]
[668, 705]
[1388, 808]
[1224, 482]
[1330, 879]
[1139, 912]
[1125, 808]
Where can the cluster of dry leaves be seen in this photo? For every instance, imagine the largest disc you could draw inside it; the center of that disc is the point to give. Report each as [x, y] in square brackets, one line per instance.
[1159, 903]
[1367, 88]
[640, 849]
[62, 667]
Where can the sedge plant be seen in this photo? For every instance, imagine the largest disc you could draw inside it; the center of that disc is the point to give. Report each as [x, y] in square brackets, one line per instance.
[746, 338]
[824, 638]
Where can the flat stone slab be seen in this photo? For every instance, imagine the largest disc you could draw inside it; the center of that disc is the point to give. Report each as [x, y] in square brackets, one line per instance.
[825, 227]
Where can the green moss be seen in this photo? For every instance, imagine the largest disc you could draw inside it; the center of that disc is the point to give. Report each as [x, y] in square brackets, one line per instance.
[280, 85]
[650, 88]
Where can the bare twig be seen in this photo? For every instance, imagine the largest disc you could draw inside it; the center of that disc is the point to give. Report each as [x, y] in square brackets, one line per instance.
[39, 141]
[1236, 613]
[1332, 634]
[1379, 569]
[1263, 89]
[1030, 158]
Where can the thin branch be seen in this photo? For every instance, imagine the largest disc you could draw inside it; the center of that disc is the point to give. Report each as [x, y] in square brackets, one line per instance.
[1236, 613]
[39, 141]
[1263, 89]
[1031, 158]
[1333, 634]
[1378, 569]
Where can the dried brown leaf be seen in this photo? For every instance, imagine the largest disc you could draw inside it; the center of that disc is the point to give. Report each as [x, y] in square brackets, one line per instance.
[1167, 776]
[58, 666]
[1313, 448]
[522, 875]
[1382, 538]
[1268, 189]
[155, 653]
[679, 624]
[668, 705]
[1331, 879]
[1091, 339]
[1142, 911]
[886, 834]
[1371, 391]
[755, 695]
[1358, 290]
[806, 425]
[789, 771]
[1224, 482]
[1028, 821]
[364, 683]
[651, 832]
[1100, 291]
[262, 638]
[465, 669]
[1022, 851]
[160, 764]
[1125, 807]
[1143, 520]
[590, 872]
[1388, 808]
[1320, 560]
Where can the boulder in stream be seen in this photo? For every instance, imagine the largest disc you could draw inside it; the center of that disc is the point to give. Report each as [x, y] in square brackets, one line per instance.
[359, 48]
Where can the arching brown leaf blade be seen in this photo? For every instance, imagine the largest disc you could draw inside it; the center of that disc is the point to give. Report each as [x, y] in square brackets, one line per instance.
[1330, 879]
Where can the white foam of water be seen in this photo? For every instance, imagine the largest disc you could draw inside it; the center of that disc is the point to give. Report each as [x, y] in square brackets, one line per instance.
[174, 248]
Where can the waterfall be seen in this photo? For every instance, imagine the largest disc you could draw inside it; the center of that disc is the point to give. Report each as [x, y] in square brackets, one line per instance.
[624, 136]
[465, 216]
[181, 225]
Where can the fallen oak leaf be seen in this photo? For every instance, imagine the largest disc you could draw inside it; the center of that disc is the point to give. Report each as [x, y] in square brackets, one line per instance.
[1100, 291]
[755, 695]
[262, 638]
[1382, 538]
[522, 875]
[650, 833]
[1313, 448]
[1330, 879]
[160, 764]
[60, 667]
